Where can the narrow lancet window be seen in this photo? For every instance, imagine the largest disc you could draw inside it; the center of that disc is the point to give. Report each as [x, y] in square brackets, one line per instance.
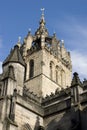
[63, 78]
[56, 74]
[51, 70]
[31, 73]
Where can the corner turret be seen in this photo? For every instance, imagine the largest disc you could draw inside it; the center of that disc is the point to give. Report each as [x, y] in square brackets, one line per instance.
[76, 88]
[14, 67]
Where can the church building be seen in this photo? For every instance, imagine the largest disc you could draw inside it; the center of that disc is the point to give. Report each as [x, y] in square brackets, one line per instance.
[37, 91]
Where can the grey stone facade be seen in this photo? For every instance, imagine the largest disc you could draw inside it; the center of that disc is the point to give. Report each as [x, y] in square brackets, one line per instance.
[37, 91]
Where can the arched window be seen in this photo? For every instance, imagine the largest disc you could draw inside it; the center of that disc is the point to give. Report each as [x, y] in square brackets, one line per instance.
[63, 78]
[31, 65]
[50, 70]
[11, 71]
[56, 74]
[11, 68]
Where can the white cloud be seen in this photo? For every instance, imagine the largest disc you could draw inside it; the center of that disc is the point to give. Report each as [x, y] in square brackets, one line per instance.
[0, 67]
[79, 63]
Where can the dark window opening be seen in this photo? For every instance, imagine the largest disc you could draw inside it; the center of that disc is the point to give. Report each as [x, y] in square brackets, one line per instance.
[51, 70]
[31, 74]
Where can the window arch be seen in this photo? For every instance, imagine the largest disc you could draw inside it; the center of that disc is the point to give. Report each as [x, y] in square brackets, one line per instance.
[11, 68]
[56, 74]
[63, 78]
[51, 70]
[11, 71]
[31, 71]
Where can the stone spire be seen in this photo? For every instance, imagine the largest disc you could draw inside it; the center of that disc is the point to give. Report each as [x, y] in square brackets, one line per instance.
[42, 20]
[42, 29]
[14, 56]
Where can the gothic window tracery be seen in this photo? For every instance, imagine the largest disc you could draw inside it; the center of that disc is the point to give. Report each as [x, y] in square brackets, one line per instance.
[31, 71]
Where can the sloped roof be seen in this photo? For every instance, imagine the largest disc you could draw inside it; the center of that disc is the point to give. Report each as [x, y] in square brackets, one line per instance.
[14, 56]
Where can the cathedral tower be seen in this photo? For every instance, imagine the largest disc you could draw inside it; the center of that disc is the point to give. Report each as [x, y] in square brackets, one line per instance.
[48, 64]
[36, 91]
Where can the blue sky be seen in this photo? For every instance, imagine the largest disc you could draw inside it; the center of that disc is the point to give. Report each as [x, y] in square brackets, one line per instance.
[68, 18]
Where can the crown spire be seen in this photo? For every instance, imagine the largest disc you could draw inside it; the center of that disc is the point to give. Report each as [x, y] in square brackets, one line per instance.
[42, 29]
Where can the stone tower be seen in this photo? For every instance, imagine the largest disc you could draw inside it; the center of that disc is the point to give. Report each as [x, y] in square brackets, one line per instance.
[36, 91]
[47, 61]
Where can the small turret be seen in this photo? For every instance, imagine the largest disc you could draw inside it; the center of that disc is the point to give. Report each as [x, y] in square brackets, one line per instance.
[54, 42]
[27, 44]
[17, 68]
[42, 32]
[59, 51]
[62, 49]
[76, 88]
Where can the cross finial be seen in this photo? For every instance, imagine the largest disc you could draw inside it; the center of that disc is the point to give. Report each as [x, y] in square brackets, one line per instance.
[42, 9]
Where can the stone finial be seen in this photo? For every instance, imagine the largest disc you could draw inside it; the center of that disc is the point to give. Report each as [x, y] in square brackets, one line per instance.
[42, 9]
[76, 80]
[62, 42]
[42, 20]
[19, 42]
[29, 32]
[54, 34]
[19, 39]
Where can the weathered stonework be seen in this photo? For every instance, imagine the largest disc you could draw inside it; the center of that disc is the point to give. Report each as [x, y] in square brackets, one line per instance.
[37, 91]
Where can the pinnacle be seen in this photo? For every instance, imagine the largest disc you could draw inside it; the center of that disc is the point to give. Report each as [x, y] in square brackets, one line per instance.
[76, 79]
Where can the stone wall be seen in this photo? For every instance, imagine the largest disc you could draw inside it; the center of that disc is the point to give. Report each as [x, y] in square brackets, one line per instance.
[28, 114]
